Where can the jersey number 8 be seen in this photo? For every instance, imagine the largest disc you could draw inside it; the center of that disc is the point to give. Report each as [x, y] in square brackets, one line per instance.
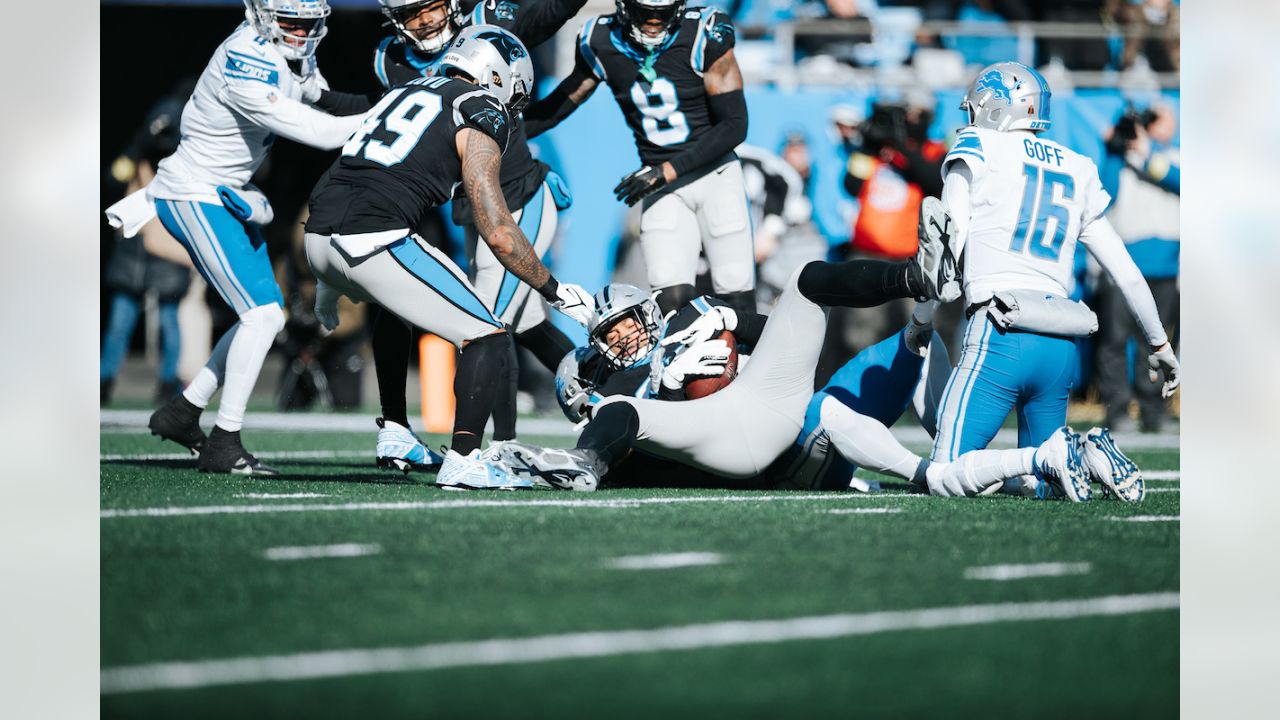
[663, 122]
[1037, 207]
[406, 116]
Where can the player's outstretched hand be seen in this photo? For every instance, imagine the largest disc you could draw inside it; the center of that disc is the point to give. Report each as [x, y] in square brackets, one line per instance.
[574, 301]
[1162, 360]
[640, 184]
[704, 359]
[327, 305]
[720, 318]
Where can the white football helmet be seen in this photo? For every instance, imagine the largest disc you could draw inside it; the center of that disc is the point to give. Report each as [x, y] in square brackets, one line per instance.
[615, 303]
[1008, 96]
[400, 12]
[266, 17]
[495, 60]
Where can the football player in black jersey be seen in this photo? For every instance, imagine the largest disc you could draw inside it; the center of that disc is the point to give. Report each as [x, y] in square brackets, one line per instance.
[677, 83]
[413, 149]
[423, 32]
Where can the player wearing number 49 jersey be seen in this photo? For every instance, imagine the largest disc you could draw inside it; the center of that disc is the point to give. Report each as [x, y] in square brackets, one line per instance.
[1020, 204]
[414, 147]
[674, 76]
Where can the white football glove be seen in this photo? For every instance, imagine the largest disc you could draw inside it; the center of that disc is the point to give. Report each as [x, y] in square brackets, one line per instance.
[1164, 361]
[703, 359]
[312, 85]
[327, 305]
[574, 301]
[700, 330]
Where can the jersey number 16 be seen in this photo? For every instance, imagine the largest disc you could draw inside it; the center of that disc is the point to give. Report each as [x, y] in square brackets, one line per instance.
[1038, 206]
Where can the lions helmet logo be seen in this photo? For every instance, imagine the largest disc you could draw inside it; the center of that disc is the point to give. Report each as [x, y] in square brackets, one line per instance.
[993, 80]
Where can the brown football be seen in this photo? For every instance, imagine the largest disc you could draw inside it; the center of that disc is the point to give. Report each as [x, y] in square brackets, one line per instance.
[704, 386]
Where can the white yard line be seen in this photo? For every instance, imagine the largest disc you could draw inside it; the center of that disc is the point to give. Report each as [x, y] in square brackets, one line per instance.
[267, 454]
[517, 651]
[278, 495]
[1148, 518]
[664, 561]
[178, 511]
[1162, 474]
[1163, 490]
[312, 552]
[1004, 573]
[862, 511]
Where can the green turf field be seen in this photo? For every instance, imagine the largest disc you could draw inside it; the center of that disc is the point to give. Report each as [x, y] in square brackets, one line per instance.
[448, 604]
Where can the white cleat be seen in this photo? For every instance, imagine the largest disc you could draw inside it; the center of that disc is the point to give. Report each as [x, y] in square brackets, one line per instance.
[550, 467]
[470, 472]
[1108, 466]
[400, 449]
[935, 254]
[1059, 462]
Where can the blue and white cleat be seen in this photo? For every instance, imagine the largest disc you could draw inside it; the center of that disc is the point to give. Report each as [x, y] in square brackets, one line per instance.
[1108, 466]
[1059, 462]
[551, 467]
[399, 449]
[470, 472]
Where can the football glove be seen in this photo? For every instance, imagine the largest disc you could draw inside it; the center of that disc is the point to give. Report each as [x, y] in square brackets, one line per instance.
[1162, 360]
[327, 305]
[640, 184]
[575, 302]
[246, 204]
[707, 325]
[704, 359]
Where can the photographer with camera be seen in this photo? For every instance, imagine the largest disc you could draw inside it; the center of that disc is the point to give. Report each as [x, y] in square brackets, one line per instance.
[895, 167]
[1142, 174]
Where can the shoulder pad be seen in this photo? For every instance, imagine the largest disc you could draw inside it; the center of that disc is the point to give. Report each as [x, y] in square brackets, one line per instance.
[380, 61]
[584, 44]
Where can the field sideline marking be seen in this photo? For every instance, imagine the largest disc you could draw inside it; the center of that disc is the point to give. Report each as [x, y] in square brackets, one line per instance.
[177, 511]
[664, 561]
[268, 454]
[862, 511]
[1148, 518]
[1004, 573]
[278, 496]
[312, 552]
[513, 651]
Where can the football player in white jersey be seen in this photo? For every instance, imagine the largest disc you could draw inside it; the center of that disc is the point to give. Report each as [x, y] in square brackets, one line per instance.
[1020, 204]
[259, 84]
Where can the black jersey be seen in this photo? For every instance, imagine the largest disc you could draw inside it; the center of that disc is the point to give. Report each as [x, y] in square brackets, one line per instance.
[661, 92]
[533, 21]
[403, 159]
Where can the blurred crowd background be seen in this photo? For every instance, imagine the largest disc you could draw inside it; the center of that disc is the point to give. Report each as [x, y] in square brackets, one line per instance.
[852, 105]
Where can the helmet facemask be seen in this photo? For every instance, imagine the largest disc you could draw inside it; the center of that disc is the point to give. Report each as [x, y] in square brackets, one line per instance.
[295, 27]
[636, 14]
[420, 32]
[627, 338]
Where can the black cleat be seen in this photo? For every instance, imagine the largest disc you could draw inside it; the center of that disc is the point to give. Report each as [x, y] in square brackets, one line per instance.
[223, 453]
[178, 420]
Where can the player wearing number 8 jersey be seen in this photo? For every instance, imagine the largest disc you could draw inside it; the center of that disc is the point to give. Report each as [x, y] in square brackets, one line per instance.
[1020, 204]
[673, 74]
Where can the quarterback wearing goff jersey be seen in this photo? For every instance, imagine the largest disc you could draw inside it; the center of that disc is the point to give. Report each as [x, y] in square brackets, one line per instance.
[1020, 204]
[257, 86]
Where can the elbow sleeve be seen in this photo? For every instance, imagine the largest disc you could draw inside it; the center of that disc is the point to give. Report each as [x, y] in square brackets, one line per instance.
[730, 130]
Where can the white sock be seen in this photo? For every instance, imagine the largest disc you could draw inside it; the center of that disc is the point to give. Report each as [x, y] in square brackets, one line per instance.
[209, 379]
[978, 471]
[866, 443]
[257, 332]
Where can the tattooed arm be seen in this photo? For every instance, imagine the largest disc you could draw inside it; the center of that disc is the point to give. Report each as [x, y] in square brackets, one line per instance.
[481, 161]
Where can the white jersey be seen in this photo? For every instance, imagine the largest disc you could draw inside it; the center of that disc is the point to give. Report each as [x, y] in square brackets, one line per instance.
[1031, 198]
[246, 96]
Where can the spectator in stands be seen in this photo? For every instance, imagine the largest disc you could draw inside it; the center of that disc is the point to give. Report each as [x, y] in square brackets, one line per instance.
[150, 262]
[1151, 29]
[1075, 53]
[1142, 174]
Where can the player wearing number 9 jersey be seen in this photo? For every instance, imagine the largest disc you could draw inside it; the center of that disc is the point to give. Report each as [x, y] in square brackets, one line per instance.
[1020, 203]
[420, 142]
[674, 76]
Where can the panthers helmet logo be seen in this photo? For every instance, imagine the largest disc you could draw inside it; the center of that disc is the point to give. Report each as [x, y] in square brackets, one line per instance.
[505, 43]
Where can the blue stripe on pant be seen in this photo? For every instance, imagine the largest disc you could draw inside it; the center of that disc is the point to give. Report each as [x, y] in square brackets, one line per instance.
[432, 271]
[1001, 371]
[530, 224]
[230, 255]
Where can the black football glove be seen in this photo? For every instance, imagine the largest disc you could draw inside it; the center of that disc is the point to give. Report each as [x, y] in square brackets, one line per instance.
[640, 184]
